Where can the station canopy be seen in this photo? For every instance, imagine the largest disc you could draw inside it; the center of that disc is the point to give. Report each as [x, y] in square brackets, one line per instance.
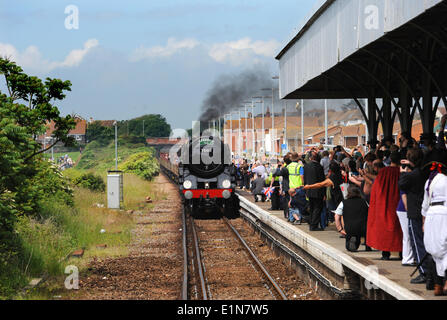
[391, 51]
[350, 47]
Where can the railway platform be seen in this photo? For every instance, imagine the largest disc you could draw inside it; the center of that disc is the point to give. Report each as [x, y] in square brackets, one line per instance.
[362, 272]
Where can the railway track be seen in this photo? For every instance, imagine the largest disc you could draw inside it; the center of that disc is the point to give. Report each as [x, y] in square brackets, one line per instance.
[222, 265]
[218, 264]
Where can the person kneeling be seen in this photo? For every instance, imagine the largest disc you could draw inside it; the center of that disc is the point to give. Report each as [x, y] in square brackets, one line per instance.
[257, 188]
[351, 218]
[297, 205]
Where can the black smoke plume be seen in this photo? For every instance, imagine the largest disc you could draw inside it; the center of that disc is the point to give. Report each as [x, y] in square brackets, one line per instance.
[229, 92]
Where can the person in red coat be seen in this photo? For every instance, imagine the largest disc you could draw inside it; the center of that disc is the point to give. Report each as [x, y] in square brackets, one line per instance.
[383, 231]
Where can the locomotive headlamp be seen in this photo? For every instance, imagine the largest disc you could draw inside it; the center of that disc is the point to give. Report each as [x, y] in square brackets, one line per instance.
[226, 184]
[187, 184]
[226, 194]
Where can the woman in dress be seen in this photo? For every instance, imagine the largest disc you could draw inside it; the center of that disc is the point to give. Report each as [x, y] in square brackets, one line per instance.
[434, 211]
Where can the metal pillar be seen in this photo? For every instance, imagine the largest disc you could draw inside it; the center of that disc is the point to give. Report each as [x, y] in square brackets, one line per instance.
[405, 113]
[387, 123]
[373, 122]
[366, 127]
[326, 141]
[427, 114]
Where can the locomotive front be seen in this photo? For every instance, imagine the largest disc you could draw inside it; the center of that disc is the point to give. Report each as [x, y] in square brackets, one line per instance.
[207, 178]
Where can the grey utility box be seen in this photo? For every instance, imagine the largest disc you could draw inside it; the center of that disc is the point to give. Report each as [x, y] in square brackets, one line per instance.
[114, 189]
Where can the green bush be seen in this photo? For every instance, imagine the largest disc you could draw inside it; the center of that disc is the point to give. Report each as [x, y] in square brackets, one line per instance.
[142, 164]
[90, 181]
[131, 140]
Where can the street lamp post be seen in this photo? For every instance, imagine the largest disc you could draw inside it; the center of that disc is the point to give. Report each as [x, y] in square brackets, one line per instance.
[253, 126]
[231, 131]
[225, 130]
[246, 123]
[285, 124]
[263, 131]
[116, 145]
[325, 123]
[273, 116]
[240, 135]
[302, 125]
[273, 124]
[246, 127]
[263, 126]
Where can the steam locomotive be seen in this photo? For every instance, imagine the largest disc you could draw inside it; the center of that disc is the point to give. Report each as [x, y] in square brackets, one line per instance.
[206, 177]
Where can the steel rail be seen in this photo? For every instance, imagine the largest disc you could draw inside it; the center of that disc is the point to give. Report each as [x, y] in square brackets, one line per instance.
[343, 294]
[199, 261]
[185, 259]
[201, 272]
[185, 280]
[258, 262]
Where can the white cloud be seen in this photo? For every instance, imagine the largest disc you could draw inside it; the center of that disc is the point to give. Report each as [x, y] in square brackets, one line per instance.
[172, 47]
[31, 59]
[75, 57]
[243, 51]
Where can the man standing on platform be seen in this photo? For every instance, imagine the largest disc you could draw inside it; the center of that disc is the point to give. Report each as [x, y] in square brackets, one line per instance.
[284, 173]
[412, 182]
[314, 173]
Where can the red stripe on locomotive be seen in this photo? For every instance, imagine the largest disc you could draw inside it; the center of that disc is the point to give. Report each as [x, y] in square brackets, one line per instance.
[212, 193]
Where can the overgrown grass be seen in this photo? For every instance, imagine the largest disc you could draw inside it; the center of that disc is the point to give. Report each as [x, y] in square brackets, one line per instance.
[102, 158]
[68, 229]
[45, 239]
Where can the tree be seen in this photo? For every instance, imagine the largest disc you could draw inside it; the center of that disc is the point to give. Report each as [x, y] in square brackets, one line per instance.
[25, 110]
[155, 125]
[39, 108]
[97, 132]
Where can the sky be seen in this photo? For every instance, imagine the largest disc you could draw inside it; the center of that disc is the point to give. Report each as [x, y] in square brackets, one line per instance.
[135, 57]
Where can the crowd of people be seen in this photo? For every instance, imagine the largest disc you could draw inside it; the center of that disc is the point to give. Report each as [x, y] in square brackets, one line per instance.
[391, 199]
[65, 162]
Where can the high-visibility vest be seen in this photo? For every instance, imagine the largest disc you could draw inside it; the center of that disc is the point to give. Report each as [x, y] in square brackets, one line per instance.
[270, 177]
[294, 175]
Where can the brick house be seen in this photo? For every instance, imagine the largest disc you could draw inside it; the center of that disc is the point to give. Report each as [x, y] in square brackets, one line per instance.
[78, 133]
